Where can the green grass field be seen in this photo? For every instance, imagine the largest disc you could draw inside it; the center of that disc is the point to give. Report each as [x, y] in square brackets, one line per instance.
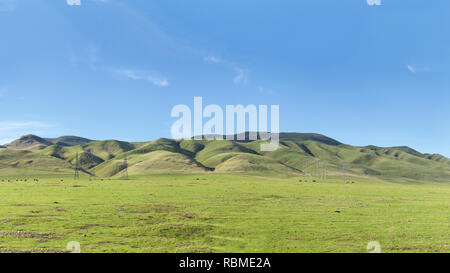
[221, 213]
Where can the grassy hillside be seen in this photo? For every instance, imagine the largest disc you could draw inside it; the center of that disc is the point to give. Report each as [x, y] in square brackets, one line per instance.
[32, 142]
[69, 140]
[159, 161]
[16, 161]
[303, 155]
[29, 142]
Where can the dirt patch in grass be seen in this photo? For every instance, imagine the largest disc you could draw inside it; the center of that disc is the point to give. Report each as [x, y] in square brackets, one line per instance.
[42, 250]
[188, 215]
[161, 209]
[149, 208]
[36, 211]
[89, 226]
[22, 205]
[185, 231]
[185, 215]
[23, 234]
[273, 196]
[30, 216]
[203, 250]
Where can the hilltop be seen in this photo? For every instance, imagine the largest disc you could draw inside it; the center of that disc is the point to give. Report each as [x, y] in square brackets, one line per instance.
[298, 155]
[29, 142]
[32, 142]
[69, 140]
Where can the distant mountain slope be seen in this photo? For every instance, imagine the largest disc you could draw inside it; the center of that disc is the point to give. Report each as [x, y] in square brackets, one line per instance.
[32, 142]
[22, 159]
[298, 154]
[158, 161]
[437, 158]
[299, 137]
[107, 149]
[245, 137]
[29, 142]
[68, 140]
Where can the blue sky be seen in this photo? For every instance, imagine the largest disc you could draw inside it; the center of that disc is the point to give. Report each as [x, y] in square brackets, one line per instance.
[113, 69]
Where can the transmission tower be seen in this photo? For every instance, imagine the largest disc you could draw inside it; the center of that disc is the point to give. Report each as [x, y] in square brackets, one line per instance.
[125, 164]
[77, 167]
[305, 166]
[314, 168]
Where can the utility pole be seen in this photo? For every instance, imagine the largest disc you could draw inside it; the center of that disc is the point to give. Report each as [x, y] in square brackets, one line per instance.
[77, 167]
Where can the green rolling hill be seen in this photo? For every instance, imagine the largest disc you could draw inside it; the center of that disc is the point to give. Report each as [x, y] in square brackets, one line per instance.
[298, 154]
[32, 142]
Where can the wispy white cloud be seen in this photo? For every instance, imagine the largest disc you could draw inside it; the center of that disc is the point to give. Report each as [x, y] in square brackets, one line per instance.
[90, 56]
[374, 2]
[11, 126]
[143, 75]
[4, 141]
[416, 69]
[212, 59]
[78, 2]
[73, 2]
[241, 73]
[130, 74]
[10, 130]
[241, 77]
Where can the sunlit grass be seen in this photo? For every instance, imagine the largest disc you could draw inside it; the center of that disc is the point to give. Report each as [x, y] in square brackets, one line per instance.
[221, 213]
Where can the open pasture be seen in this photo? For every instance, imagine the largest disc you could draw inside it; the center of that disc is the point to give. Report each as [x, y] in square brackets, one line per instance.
[221, 213]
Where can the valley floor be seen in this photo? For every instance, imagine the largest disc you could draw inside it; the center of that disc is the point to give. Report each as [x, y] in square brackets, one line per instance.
[222, 213]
